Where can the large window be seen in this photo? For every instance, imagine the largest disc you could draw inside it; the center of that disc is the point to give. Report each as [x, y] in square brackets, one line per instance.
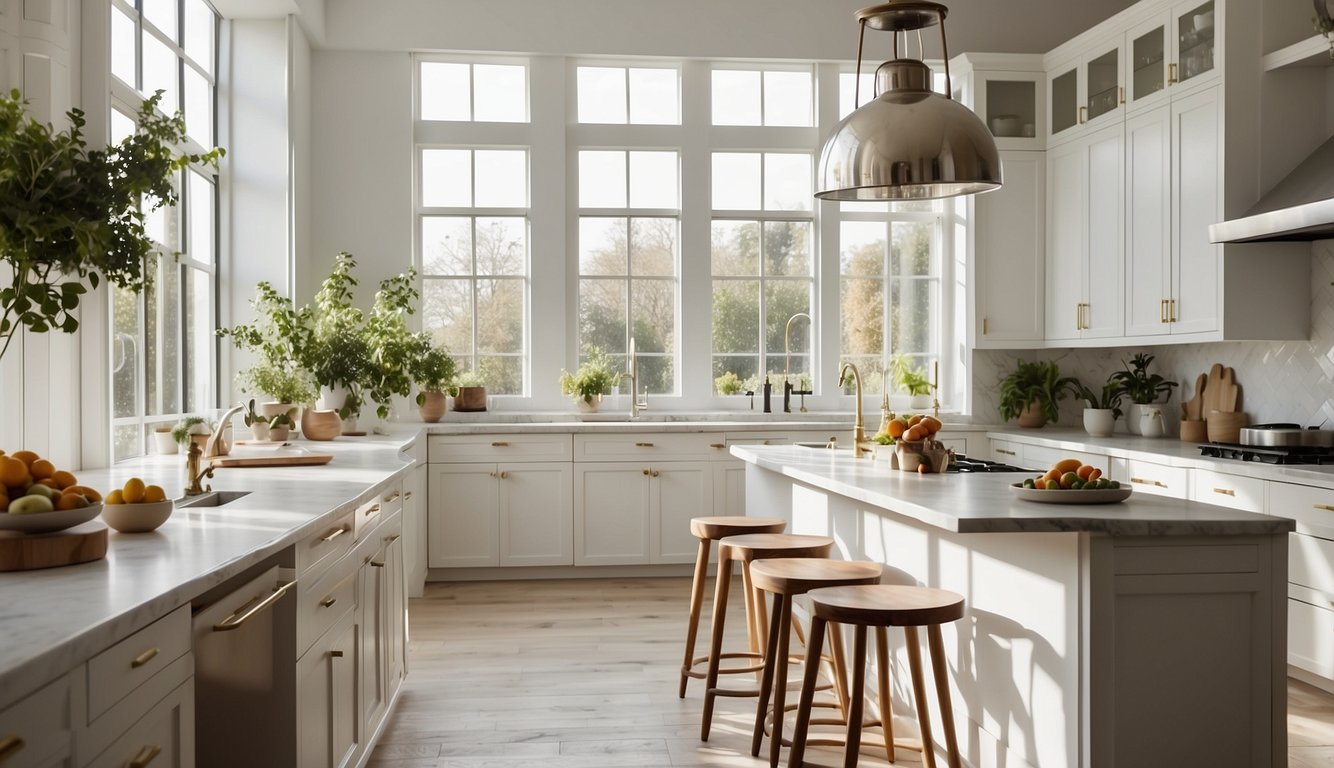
[163, 351]
[472, 217]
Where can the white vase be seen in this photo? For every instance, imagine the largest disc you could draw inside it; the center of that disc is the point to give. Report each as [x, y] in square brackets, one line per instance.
[589, 405]
[350, 424]
[165, 443]
[920, 402]
[1099, 422]
[331, 398]
[260, 430]
[1133, 412]
[1150, 421]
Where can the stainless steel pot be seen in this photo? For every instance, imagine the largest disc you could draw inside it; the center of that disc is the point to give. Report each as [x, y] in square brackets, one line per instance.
[1286, 436]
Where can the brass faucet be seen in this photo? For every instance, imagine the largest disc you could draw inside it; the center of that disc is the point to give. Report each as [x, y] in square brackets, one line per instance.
[788, 389]
[860, 445]
[635, 404]
[193, 474]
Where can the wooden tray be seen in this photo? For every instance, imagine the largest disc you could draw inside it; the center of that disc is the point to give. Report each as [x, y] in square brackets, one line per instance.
[26, 552]
[290, 456]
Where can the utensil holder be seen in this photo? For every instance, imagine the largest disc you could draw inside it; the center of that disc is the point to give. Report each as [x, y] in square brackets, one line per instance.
[1194, 431]
[1225, 426]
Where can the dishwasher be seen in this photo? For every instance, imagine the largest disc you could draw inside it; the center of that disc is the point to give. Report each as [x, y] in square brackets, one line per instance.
[244, 635]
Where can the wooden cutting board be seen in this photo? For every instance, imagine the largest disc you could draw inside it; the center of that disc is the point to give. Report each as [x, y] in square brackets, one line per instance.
[27, 551]
[1213, 390]
[275, 457]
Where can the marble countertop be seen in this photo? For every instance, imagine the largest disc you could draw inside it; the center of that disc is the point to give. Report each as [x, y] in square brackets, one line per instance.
[983, 503]
[56, 618]
[613, 423]
[1169, 451]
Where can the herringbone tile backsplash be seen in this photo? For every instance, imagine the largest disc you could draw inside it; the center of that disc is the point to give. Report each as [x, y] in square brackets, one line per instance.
[1281, 381]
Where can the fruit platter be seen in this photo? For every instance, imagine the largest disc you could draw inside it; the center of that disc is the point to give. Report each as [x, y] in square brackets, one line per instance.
[1070, 481]
[36, 497]
[915, 446]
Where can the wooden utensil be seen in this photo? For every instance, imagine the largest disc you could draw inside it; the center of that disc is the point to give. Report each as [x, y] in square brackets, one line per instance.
[1231, 393]
[1213, 390]
[1195, 405]
[26, 552]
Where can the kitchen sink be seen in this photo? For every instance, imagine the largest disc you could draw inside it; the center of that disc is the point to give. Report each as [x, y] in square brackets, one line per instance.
[211, 499]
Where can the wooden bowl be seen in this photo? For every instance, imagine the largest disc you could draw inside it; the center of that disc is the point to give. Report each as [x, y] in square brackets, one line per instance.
[1194, 430]
[1225, 426]
[137, 518]
[320, 425]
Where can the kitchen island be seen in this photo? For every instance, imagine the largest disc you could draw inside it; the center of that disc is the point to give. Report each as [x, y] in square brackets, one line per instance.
[1147, 632]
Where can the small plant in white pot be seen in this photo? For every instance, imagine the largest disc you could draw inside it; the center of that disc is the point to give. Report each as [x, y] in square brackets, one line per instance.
[595, 377]
[259, 424]
[1103, 409]
[1143, 388]
[911, 380]
[280, 427]
[195, 428]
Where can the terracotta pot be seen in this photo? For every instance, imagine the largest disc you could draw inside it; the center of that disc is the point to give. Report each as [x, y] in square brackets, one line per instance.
[433, 407]
[320, 425]
[279, 434]
[470, 399]
[1032, 417]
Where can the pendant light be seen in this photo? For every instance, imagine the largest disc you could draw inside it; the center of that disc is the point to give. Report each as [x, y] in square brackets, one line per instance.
[909, 142]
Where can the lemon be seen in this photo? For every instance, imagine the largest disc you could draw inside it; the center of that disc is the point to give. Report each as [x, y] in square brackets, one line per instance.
[133, 490]
[115, 497]
[154, 493]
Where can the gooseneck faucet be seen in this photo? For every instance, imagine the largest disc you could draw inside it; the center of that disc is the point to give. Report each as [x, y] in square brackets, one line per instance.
[788, 389]
[636, 405]
[195, 457]
[860, 445]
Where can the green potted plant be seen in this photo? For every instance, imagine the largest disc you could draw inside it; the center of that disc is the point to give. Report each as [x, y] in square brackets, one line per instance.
[280, 427]
[594, 378]
[911, 380]
[192, 428]
[338, 351]
[69, 214]
[393, 347]
[433, 372]
[1143, 388]
[1102, 408]
[729, 384]
[470, 392]
[290, 388]
[279, 337]
[1032, 392]
[258, 424]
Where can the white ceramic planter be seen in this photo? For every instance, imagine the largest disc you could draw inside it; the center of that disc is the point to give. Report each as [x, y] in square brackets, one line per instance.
[166, 444]
[1099, 422]
[920, 402]
[331, 398]
[260, 430]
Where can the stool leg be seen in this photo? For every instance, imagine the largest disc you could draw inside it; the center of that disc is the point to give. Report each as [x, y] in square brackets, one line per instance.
[886, 710]
[716, 641]
[919, 693]
[840, 679]
[937, 647]
[753, 635]
[766, 683]
[856, 697]
[783, 628]
[696, 605]
[813, 648]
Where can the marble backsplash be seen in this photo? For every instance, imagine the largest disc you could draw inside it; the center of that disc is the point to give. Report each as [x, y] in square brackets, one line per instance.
[1281, 381]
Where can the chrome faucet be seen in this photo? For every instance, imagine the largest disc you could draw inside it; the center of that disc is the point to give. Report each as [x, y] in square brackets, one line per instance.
[788, 389]
[636, 405]
[860, 445]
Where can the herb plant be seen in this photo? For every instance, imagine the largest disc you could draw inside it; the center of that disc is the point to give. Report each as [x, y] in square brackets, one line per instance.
[1030, 382]
[595, 376]
[1141, 386]
[393, 347]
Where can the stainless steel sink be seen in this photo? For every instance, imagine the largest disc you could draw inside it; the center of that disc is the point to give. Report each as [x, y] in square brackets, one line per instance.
[821, 446]
[211, 499]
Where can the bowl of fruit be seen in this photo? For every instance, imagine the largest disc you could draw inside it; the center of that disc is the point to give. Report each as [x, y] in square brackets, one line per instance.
[1071, 481]
[915, 447]
[136, 507]
[35, 497]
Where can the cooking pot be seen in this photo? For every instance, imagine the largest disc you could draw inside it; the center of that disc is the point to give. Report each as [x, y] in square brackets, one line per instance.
[1286, 436]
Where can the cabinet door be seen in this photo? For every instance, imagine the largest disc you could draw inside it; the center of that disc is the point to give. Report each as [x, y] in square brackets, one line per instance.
[414, 530]
[1011, 105]
[396, 614]
[1066, 189]
[1147, 53]
[1197, 202]
[1064, 99]
[371, 636]
[326, 704]
[1103, 94]
[1104, 311]
[1196, 35]
[729, 488]
[463, 530]
[1008, 238]
[681, 490]
[536, 514]
[611, 514]
[1148, 221]
[162, 738]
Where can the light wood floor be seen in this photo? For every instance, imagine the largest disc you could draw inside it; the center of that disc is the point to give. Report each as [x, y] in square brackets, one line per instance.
[583, 674]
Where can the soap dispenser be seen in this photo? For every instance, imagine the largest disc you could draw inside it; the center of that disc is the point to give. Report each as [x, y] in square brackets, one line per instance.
[768, 393]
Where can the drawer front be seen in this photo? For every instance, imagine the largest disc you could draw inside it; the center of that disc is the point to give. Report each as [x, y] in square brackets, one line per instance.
[753, 438]
[320, 605]
[323, 547]
[1244, 493]
[1156, 479]
[1312, 508]
[1311, 638]
[1311, 562]
[387, 503]
[38, 727]
[163, 738]
[489, 449]
[649, 447]
[1006, 452]
[1042, 458]
[115, 672]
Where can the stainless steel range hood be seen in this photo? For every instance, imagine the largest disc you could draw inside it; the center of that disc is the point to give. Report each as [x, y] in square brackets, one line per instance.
[1300, 207]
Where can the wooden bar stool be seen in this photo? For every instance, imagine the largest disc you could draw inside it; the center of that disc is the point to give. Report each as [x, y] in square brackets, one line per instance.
[748, 548]
[785, 578]
[881, 606]
[709, 530]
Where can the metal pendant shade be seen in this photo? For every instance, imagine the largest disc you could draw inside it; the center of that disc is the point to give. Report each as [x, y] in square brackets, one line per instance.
[908, 143]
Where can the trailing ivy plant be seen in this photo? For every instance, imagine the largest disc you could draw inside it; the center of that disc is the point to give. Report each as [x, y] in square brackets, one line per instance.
[394, 348]
[70, 214]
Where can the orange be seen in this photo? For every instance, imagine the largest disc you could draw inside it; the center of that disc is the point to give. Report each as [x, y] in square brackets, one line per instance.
[27, 457]
[154, 493]
[64, 479]
[115, 497]
[932, 423]
[1094, 475]
[71, 501]
[42, 469]
[1084, 472]
[1067, 465]
[133, 490]
[49, 483]
[1052, 476]
[13, 472]
[896, 428]
[1040, 484]
[84, 491]
[913, 421]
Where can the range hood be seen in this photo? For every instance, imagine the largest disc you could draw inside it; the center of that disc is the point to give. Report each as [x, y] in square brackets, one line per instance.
[1300, 207]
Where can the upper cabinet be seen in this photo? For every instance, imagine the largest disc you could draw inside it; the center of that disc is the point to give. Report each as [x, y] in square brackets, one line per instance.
[1173, 50]
[1085, 91]
[1006, 91]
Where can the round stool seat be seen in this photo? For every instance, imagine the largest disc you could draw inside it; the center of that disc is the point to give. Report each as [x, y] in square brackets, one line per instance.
[749, 547]
[799, 575]
[887, 605]
[715, 528]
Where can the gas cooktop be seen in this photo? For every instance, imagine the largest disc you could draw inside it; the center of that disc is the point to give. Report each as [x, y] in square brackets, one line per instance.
[962, 463]
[1269, 454]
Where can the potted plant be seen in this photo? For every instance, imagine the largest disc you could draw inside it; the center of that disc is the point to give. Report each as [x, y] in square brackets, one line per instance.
[338, 352]
[432, 372]
[1031, 393]
[470, 392]
[163, 439]
[290, 388]
[259, 425]
[1142, 387]
[393, 347]
[69, 214]
[280, 427]
[192, 428]
[1103, 409]
[911, 380]
[729, 384]
[594, 378]
[279, 337]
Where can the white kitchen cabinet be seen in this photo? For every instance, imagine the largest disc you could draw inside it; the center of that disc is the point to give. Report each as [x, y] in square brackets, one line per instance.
[396, 609]
[1084, 237]
[1225, 490]
[1043, 458]
[37, 731]
[1172, 52]
[414, 530]
[631, 514]
[1151, 477]
[1008, 91]
[510, 514]
[326, 698]
[1148, 222]
[678, 491]
[162, 738]
[1006, 251]
[1085, 92]
[372, 615]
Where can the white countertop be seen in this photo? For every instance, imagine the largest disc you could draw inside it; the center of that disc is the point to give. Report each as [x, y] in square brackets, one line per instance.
[983, 503]
[1169, 451]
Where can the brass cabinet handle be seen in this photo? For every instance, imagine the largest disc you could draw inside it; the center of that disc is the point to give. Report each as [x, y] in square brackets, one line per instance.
[500, 444]
[495, 474]
[655, 473]
[716, 445]
[392, 539]
[646, 472]
[1162, 310]
[1006, 452]
[1079, 315]
[1121, 97]
[1326, 507]
[243, 614]
[1142, 481]
[1171, 74]
[407, 495]
[1083, 115]
[328, 602]
[643, 445]
[335, 533]
[335, 654]
[145, 756]
[377, 563]
[504, 475]
[1225, 491]
[1173, 306]
[10, 745]
[391, 497]
[143, 658]
[984, 326]
[374, 510]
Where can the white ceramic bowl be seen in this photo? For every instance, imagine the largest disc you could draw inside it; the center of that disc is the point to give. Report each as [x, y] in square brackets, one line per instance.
[137, 518]
[48, 522]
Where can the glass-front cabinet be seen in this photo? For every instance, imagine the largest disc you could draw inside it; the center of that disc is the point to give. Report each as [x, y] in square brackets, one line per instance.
[1087, 90]
[1005, 90]
[1174, 50]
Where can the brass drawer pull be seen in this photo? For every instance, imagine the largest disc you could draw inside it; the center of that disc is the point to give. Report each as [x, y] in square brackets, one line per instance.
[10, 746]
[1083, 115]
[242, 615]
[500, 444]
[145, 756]
[1142, 481]
[391, 497]
[716, 445]
[328, 602]
[655, 473]
[377, 563]
[392, 539]
[643, 445]
[374, 510]
[335, 654]
[504, 475]
[646, 472]
[1225, 491]
[1171, 74]
[335, 533]
[143, 658]
[1005, 452]
[1326, 507]
[407, 495]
